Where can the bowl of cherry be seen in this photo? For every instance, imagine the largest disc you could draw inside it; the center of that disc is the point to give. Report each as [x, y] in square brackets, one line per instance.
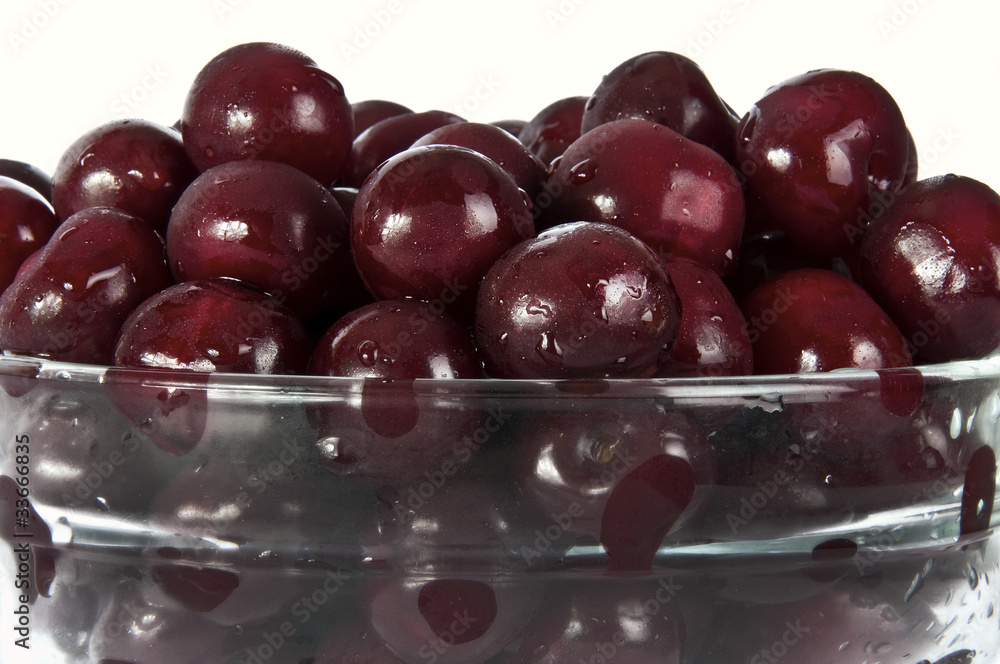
[307, 380]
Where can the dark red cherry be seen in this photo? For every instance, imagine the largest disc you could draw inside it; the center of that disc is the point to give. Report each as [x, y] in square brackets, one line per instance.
[712, 339]
[214, 325]
[512, 127]
[396, 339]
[553, 128]
[817, 150]
[267, 224]
[392, 435]
[267, 101]
[933, 262]
[912, 160]
[598, 476]
[451, 596]
[766, 255]
[817, 320]
[370, 111]
[389, 137]
[69, 305]
[583, 300]
[137, 166]
[669, 89]
[510, 154]
[430, 221]
[28, 174]
[615, 620]
[679, 197]
[26, 223]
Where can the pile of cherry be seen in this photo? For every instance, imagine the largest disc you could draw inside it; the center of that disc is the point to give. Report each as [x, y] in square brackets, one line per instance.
[646, 231]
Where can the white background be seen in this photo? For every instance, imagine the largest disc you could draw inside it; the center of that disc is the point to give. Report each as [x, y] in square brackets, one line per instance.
[68, 65]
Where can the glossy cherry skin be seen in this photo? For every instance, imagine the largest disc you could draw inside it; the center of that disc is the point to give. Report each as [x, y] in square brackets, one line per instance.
[268, 101]
[679, 197]
[932, 261]
[818, 150]
[370, 111]
[392, 436]
[766, 255]
[713, 338]
[214, 325]
[510, 154]
[26, 223]
[136, 166]
[512, 127]
[553, 128]
[70, 303]
[602, 478]
[430, 221]
[669, 89]
[389, 137]
[264, 223]
[28, 174]
[817, 320]
[582, 300]
[615, 620]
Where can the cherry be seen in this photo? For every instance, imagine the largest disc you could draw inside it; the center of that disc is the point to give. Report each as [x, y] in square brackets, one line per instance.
[430, 221]
[452, 594]
[713, 338]
[267, 101]
[370, 111]
[134, 630]
[597, 475]
[28, 174]
[583, 300]
[69, 305]
[267, 224]
[26, 223]
[679, 197]
[512, 127]
[766, 255]
[626, 621]
[136, 166]
[393, 435]
[932, 261]
[669, 89]
[811, 320]
[819, 150]
[213, 325]
[510, 154]
[549, 133]
[389, 137]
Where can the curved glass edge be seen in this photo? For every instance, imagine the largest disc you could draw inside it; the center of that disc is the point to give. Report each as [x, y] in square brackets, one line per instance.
[778, 385]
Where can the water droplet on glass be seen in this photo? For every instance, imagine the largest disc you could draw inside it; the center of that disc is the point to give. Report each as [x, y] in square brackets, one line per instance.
[538, 308]
[503, 339]
[63, 375]
[548, 349]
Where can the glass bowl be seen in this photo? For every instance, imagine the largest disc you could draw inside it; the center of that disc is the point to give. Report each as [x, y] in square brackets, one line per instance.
[154, 516]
